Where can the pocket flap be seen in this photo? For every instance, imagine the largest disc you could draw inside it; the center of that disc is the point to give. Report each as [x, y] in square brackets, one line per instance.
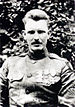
[17, 76]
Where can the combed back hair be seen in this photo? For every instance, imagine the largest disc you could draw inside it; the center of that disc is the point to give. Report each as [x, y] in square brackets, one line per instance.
[36, 15]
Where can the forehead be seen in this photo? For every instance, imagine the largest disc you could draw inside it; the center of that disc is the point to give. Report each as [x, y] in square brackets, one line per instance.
[32, 24]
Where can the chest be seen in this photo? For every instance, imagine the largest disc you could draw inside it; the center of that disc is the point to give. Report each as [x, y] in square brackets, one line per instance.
[35, 72]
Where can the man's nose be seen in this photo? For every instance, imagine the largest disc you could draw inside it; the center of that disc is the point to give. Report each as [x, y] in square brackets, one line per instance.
[36, 36]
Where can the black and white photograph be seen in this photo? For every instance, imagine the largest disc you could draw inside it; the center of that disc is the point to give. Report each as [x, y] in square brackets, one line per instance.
[37, 53]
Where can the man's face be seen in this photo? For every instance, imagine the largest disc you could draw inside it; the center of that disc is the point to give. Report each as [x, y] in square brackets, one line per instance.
[36, 34]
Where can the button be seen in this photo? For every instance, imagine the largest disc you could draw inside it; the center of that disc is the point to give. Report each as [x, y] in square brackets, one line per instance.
[29, 75]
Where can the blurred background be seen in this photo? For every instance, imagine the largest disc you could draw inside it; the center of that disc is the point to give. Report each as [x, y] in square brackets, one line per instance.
[62, 27]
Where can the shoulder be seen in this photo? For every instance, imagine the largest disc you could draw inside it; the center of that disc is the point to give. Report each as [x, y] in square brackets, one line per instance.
[13, 60]
[59, 61]
[56, 57]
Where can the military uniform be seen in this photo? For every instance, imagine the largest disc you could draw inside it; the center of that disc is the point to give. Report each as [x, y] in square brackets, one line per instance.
[47, 82]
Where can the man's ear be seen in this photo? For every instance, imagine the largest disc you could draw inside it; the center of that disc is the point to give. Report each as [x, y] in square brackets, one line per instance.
[48, 36]
[24, 34]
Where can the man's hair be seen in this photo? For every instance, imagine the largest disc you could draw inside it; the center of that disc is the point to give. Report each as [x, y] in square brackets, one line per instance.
[36, 15]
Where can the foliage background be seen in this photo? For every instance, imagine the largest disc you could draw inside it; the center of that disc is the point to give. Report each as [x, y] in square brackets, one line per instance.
[62, 27]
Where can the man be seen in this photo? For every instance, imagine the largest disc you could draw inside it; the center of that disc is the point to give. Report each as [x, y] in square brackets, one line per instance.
[39, 79]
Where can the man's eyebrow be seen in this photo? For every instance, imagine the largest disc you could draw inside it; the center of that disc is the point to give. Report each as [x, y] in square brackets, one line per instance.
[41, 31]
[31, 31]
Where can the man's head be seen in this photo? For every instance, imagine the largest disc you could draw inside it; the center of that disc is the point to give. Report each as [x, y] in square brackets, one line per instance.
[36, 29]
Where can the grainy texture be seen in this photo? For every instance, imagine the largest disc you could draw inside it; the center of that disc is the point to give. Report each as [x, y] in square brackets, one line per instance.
[62, 34]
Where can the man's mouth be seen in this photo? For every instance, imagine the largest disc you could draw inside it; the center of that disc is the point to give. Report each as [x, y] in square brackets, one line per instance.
[36, 44]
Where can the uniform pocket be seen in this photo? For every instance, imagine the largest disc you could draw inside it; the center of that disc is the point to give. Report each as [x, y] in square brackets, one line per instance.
[15, 77]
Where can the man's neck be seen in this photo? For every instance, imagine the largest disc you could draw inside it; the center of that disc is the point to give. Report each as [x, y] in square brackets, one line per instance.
[37, 55]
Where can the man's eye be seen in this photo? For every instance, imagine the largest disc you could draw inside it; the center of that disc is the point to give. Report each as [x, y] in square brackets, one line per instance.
[31, 32]
[41, 31]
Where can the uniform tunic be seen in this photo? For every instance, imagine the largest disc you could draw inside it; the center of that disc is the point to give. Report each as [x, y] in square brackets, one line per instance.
[46, 82]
